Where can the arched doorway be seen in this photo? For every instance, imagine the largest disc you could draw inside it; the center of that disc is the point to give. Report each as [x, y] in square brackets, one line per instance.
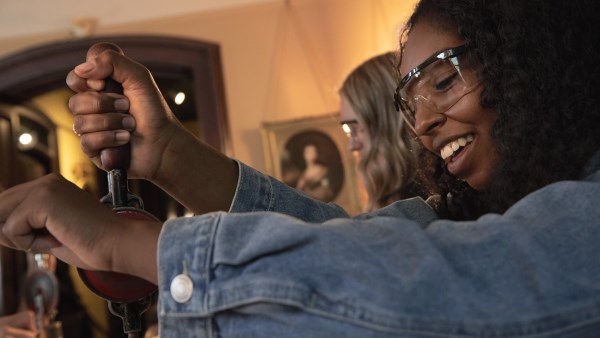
[178, 65]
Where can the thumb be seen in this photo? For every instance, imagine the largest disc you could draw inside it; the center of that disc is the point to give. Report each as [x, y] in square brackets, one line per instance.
[21, 320]
[110, 85]
[99, 64]
[100, 47]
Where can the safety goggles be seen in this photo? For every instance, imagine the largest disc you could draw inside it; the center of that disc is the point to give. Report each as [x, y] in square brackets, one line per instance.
[437, 84]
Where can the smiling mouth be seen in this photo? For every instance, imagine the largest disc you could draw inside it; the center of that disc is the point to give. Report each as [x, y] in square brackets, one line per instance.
[453, 148]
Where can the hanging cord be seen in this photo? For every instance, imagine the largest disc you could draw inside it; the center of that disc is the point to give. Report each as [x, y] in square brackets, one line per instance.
[287, 14]
[311, 58]
[277, 58]
[378, 16]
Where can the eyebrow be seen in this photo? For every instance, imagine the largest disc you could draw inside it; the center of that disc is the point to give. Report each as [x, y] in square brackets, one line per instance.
[349, 121]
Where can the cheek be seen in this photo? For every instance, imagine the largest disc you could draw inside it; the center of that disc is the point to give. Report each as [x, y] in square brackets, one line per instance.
[363, 139]
[427, 142]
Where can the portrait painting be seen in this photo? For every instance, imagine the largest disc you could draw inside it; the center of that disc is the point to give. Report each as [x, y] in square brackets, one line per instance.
[310, 155]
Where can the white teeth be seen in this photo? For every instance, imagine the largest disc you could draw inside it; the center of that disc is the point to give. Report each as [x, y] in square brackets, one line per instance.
[449, 149]
[444, 153]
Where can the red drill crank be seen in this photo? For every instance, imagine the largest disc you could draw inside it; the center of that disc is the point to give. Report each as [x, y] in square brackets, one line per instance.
[128, 296]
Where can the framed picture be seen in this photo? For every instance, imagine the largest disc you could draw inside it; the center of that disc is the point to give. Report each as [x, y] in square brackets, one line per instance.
[310, 154]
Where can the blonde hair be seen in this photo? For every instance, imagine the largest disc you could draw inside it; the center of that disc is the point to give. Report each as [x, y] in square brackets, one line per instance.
[388, 164]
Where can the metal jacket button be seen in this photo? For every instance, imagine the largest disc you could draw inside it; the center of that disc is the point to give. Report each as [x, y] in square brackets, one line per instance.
[182, 288]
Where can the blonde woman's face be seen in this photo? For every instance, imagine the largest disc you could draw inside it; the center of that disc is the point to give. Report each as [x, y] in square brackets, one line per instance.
[357, 134]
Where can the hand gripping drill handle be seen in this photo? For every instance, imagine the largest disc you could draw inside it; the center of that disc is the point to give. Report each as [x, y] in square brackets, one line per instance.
[128, 296]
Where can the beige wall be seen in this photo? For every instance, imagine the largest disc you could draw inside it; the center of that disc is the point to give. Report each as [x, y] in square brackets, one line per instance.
[279, 62]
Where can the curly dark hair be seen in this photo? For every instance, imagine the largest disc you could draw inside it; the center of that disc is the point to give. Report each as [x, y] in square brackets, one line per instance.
[540, 65]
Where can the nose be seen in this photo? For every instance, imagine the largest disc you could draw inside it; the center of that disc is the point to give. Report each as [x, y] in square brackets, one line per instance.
[427, 119]
[355, 143]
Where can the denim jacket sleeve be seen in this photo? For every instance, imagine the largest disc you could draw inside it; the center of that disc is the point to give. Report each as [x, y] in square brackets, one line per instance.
[531, 272]
[260, 192]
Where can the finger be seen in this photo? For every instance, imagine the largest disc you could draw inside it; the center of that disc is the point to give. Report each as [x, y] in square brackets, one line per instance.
[105, 60]
[25, 231]
[11, 332]
[23, 320]
[9, 202]
[93, 143]
[74, 236]
[84, 124]
[97, 103]
[101, 47]
[99, 63]
[25, 212]
[82, 78]
[76, 82]
[43, 242]
[5, 240]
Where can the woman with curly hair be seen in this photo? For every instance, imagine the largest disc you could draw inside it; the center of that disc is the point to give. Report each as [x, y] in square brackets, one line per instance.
[501, 90]
[538, 95]
[388, 156]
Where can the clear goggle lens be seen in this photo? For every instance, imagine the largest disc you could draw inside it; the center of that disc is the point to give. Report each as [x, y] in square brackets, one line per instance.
[436, 85]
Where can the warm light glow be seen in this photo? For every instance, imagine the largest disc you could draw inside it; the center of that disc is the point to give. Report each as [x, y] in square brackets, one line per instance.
[26, 139]
[179, 98]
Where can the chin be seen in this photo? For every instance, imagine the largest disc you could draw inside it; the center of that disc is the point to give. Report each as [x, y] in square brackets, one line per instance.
[478, 184]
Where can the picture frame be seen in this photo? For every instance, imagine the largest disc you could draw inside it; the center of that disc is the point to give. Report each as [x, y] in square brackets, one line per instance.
[311, 155]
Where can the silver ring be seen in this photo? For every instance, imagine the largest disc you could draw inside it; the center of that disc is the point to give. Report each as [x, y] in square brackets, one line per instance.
[75, 131]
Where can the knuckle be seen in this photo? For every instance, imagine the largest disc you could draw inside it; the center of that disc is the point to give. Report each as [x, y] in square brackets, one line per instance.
[75, 82]
[6, 231]
[52, 183]
[145, 72]
[96, 104]
[105, 104]
[84, 103]
[92, 143]
[72, 104]
[84, 143]
[106, 123]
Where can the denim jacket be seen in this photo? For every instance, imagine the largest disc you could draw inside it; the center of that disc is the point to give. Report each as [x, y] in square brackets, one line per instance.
[308, 270]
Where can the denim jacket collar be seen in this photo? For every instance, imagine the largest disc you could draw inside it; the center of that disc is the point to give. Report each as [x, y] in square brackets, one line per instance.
[593, 165]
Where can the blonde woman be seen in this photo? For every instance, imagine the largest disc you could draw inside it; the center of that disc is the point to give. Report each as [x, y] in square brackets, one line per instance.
[388, 162]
